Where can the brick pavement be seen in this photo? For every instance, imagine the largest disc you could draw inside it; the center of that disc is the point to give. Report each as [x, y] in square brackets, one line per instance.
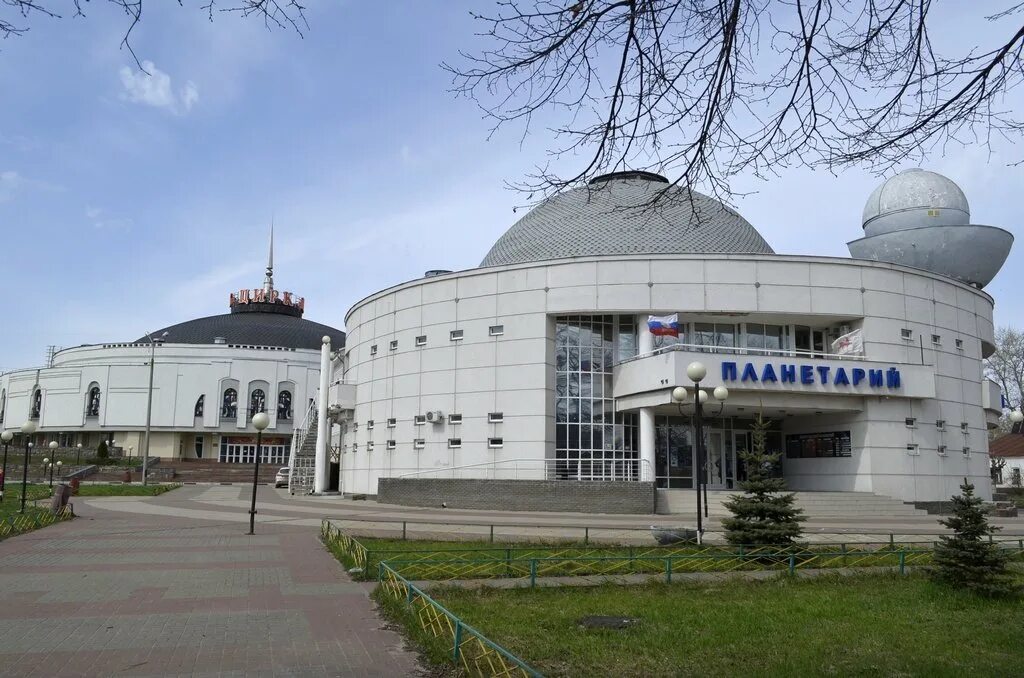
[116, 593]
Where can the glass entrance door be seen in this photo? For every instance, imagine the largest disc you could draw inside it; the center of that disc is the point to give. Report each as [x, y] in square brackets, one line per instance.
[720, 462]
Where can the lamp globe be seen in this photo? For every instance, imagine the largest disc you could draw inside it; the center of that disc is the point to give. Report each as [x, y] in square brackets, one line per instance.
[29, 427]
[53, 445]
[1016, 416]
[703, 395]
[696, 371]
[7, 436]
[679, 394]
[261, 420]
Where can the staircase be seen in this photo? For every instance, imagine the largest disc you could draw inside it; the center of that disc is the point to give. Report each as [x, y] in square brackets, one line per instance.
[814, 504]
[213, 471]
[303, 459]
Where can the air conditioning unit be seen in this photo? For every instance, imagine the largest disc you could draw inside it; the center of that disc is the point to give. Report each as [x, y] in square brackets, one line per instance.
[435, 417]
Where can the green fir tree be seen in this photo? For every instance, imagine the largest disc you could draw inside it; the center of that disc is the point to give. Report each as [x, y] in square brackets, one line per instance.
[765, 514]
[101, 450]
[967, 558]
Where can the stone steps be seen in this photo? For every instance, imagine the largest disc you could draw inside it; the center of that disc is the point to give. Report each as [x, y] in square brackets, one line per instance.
[814, 504]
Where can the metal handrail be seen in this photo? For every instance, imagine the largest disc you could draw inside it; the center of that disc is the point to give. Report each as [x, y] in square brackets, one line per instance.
[742, 350]
[552, 468]
[300, 432]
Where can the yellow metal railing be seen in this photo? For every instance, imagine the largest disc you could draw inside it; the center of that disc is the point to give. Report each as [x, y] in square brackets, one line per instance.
[26, 522]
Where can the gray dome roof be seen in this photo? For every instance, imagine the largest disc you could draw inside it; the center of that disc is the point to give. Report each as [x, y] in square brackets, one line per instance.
[252, 329]
[915, 198]
[611, 216]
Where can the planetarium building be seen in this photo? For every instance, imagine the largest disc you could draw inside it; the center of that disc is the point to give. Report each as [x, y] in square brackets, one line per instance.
[557, 358]
[196, 384]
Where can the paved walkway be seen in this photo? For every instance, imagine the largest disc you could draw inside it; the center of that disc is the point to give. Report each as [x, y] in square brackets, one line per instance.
[129, 594]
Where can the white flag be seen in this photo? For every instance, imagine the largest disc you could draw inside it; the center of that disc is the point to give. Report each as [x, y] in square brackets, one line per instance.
[851, 343]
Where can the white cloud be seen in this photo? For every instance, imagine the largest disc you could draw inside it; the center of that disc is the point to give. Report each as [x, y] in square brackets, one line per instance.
[12, 184]
[101, 220]
[153, 87]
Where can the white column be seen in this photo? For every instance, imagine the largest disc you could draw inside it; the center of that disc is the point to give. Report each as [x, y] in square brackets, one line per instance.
[645, 344]
[323, 429]
[645, 340]
[647, 443]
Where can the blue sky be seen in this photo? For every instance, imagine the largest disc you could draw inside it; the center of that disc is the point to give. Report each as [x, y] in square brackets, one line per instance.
[130, 202]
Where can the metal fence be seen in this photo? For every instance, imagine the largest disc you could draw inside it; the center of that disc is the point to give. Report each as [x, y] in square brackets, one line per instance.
[12, 525]
[473, 652]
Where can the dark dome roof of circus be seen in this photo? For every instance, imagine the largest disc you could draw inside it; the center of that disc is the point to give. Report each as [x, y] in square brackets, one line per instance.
[613, 214]
[251, 329]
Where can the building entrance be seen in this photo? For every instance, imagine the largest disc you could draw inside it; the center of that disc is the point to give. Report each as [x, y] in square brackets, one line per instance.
[725, 440]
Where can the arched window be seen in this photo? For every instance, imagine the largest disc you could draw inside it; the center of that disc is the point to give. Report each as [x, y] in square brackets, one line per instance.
[257, 401]
[92, 401]
[284, 405]
[229, 408]
[37, 404]
[200, 404]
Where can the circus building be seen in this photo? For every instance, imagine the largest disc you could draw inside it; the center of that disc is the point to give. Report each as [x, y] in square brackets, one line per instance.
[209, 376]
[556, 359]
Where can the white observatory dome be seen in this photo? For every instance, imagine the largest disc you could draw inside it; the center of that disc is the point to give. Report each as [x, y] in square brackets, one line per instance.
[914, 198]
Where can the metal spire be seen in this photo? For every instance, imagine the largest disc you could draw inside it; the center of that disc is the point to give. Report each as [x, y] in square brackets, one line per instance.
[268, 282]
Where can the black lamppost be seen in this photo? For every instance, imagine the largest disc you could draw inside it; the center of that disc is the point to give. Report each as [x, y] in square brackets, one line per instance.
[696, 372]
[78, 461]
[27, 429]
[50, 463]
[260, 421]
[6, 437]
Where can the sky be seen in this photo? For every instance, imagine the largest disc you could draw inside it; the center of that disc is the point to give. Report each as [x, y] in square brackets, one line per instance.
[133, 200]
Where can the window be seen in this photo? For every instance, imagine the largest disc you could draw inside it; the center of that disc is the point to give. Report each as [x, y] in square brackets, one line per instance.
[912, 448]
[455, 443]
[455, 335]
[284, 405]
[495, 417]
[92, 402]
[369, 424]
[768, 337]
[369, 446]
[373, 350]
[355, 448]
[454, 418]
[942, 450]
[257, 401]
[907, 334]
[198, 443]
[392, 422]
[421, 340]
[200, 406]
[37, 404]
[714, 334]
[391, 445]
[496, 330]
[966, 451]
[911, 422]
[965, 427]
[419, 419]
[937, 339]
[393, 345]
[419, 444]
[959, 344]
[495, 442]
[626, 345]
[940, 424]
[229, 405]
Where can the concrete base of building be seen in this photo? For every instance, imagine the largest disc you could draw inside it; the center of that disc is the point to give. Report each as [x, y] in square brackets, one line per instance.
[520, 495]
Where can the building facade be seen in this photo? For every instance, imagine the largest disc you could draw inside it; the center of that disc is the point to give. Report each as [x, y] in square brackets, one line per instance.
[209, 377]
[541, 363]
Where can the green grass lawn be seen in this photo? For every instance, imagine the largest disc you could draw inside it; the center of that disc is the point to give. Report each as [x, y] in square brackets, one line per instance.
[866, 625]
[124, 490]
[12, 498]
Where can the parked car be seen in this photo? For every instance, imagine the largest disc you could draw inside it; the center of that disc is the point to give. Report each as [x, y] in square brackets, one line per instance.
[281, 479]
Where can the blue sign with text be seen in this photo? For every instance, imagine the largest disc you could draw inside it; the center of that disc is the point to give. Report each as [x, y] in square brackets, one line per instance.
[811, 374]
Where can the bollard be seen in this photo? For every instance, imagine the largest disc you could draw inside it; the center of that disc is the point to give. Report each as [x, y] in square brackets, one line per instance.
[403, 530]
[586, 536]
[668, 570]
[533, 572]
[492, 534]
[892, 542]
[903, 562]
[792, 564]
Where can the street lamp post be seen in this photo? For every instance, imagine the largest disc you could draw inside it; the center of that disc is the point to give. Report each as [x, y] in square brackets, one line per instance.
[27, 429]
[50, 463]
[696, 372]
[149, 401]
[6, 437]
[78, 461]
[260, 421]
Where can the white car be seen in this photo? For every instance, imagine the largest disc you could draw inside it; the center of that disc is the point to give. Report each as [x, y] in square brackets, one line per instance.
[281, 479]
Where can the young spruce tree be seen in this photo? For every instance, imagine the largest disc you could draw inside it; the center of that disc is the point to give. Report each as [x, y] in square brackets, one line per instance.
[765, 514]
[967, 558]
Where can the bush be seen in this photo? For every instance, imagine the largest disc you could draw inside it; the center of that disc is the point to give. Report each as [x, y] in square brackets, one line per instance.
[101, 450]
[967, 558]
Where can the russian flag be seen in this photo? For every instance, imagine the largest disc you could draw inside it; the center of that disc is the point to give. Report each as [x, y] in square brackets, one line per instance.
[664, 325]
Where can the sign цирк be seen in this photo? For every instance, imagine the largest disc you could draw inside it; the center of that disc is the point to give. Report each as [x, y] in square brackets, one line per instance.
[811, 374]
